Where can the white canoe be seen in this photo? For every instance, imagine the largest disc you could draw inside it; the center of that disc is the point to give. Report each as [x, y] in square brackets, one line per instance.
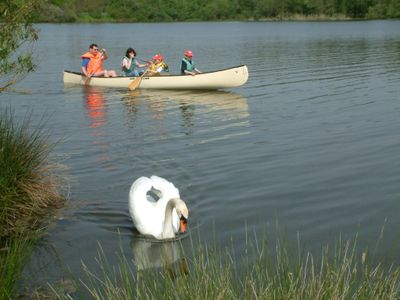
[227, 78]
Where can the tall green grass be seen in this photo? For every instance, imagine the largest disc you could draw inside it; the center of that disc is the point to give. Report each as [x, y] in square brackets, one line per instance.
[13, 256]
[29, 190]
[261, 272]
[28, 184]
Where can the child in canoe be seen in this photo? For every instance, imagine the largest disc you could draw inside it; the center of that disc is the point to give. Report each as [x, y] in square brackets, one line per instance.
[157, 66]
[130, 66]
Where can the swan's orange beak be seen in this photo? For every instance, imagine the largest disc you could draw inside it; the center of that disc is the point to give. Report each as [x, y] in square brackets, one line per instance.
[183, 225]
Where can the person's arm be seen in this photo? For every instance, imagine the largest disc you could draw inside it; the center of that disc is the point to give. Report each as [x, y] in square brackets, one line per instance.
[104, 54]
[141, 65]
[126, 63]
[150, 70]
[165, 67]
[183, 67]
[85, 62]
[187, 72]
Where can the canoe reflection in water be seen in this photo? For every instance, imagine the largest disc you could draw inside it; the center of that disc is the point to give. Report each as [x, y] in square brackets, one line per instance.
[96, 111]
[95, 106]
[166, 255]
[228, 104]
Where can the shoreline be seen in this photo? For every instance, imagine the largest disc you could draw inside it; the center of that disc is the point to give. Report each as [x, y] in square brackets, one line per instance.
[291, 18]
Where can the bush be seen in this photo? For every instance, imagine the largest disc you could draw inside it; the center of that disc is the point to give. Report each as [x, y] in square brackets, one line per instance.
[28, 184]
[377, 12]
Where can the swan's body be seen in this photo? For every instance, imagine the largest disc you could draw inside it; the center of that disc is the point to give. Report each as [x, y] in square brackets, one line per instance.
[160, 219]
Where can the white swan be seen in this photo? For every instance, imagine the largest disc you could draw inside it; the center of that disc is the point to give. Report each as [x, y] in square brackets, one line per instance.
[160, 219]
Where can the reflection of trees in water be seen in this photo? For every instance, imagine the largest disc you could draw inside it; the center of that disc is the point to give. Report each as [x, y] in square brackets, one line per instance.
[131, 104]
[166, 255]
[187, 112]
[158, 109]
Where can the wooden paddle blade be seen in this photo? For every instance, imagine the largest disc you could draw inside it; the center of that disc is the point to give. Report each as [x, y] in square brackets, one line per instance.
[135, 83]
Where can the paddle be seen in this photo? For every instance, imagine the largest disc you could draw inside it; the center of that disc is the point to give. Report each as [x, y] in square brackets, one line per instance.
[91, 75]
[136, 82]
[86, 82]
[146, 61]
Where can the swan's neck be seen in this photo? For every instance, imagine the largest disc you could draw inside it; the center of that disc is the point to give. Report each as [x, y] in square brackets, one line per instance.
[168, 231]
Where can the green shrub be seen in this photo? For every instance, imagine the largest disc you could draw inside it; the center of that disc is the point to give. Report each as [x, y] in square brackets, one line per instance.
[28, 184]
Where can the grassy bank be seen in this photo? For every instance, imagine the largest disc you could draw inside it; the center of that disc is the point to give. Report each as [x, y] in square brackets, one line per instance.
[29, 192]
[262, 271]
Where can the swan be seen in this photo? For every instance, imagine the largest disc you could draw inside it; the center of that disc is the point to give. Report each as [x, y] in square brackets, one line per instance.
[163, 218]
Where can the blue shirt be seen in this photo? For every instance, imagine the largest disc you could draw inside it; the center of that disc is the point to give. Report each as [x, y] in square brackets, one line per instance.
[85, 62]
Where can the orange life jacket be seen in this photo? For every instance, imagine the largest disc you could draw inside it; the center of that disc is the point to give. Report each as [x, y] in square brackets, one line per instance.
[95, 63]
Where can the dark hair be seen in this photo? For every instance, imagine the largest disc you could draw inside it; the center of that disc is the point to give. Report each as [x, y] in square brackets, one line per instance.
[93, 45]
[129, 50]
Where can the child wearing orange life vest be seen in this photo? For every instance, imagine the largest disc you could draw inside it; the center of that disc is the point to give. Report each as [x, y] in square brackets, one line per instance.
[157, 66]
[92, 63]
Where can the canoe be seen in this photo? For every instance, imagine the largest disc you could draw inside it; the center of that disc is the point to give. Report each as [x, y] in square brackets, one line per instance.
[221, 79]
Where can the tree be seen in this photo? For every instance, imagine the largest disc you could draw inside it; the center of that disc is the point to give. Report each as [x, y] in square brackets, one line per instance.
[269, 8]
[16, 37]
[357, 8]
[394, 9]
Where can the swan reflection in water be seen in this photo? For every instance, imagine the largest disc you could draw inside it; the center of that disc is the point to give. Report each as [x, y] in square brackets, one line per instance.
[231, 105]
[152, 254]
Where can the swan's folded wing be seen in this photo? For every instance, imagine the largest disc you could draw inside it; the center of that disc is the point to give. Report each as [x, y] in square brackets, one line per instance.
[143, 213]
[141, 185]
[167, 188]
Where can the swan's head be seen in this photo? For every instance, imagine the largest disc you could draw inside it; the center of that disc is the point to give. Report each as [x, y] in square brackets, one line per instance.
[183, 214]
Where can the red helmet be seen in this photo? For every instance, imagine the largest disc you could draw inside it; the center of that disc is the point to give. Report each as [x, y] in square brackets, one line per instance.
[158, 57]
[188, 53]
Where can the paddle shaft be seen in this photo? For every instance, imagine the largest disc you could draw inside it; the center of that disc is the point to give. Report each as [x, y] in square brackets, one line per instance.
[89, 76]
[141, 59]
[136, 82]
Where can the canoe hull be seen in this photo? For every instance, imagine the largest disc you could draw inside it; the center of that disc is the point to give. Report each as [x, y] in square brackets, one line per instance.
[227, 78]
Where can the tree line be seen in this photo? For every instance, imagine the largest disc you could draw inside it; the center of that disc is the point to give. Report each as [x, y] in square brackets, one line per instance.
[214, 10]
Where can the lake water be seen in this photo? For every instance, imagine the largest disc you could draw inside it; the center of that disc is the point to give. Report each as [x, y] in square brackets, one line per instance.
[311, 142]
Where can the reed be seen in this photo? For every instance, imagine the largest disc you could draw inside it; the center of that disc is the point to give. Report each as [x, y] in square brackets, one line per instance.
[13, 255]
[28, 184]
[262, 272]
[29, 190]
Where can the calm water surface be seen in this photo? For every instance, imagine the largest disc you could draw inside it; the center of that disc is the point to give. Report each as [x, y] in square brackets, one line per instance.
[311, 142]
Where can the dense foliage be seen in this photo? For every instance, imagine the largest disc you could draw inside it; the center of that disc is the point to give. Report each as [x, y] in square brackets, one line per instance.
[17, 34]
[196, 10]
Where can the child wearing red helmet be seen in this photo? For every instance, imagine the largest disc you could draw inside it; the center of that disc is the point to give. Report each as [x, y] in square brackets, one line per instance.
[188, 67]
[157, 66]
